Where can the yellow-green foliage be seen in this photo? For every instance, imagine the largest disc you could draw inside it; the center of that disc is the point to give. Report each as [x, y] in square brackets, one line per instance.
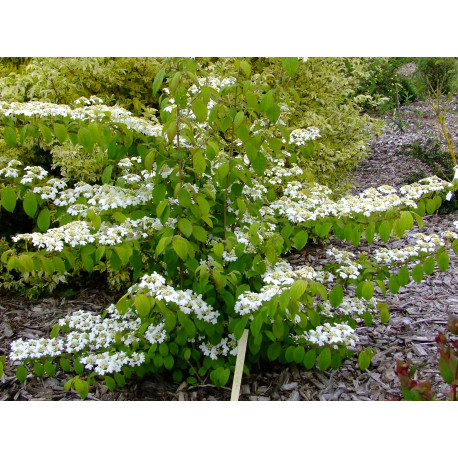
[78, 163]
[126, 80]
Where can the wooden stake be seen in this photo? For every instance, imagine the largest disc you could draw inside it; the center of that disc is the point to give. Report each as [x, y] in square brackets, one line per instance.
[239, 366]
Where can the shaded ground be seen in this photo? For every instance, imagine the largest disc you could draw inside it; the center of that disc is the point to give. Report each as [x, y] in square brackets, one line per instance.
[418, 312]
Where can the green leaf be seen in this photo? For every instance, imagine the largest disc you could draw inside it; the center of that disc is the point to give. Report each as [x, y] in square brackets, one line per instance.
[172, 130]
[417, 273]
[443, 261]
[185, 226]
[38, 369]
[30, 204]
[55, 331]
[290, 64]
[299, 354]
[298, 289]
[259, 164]
[9, 199]
[110, 383]
[120, 380]
[78, 367]
[384, 313]
[384, 231]
[428, 265]
[142, 305]
[273, 351]
[300, 240]
[1, 369]
[65, 364]
[44, 220]
[246, 68]
[82, 387]
[158, 80]
[445, 370]
[324, 358]
[50, 369]
[46, 132]
[61, 132]
[309, 359]
[239, 117]
[278, 327]
[181, 247]
[403, 276]
[368, 290]
[364, 360]
[199, 162]
[200, 110]
[184, 198]
[336, 296]
[370, 232]
[10, 136]
[406, 220]
[199, 233]
[393, 284]
[106, 175]
[430, 206]
[21, 373]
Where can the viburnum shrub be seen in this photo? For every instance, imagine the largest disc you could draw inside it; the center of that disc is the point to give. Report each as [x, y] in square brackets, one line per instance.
[203, 204]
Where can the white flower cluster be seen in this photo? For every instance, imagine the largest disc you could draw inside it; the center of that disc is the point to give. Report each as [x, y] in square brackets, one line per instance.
[108, 363]
[154, 285]
[89, 333]
[277, 279]
[10, 171]
[331, 334]
[350, 306]
[33, 173]
[348, 268]
[424, 244]
[302, 203]
[302, 136]
[92, 112]
[228, 345]
[92, 100]
[80, 233]
[35, 348]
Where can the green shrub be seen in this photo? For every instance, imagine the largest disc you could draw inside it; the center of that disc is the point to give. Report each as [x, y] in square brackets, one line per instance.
[202, 204]
[438, 73]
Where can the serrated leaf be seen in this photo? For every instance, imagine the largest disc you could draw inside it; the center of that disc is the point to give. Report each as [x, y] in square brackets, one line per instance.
[336, 296]
[120, 380]
[273, 351]
[299, 354]
[384, 313]
[309, 359]
[403, 276]
[21, 373]
[9, 199]
[38, 369]
[199, 162]
[65, 364]
[200, 110]
[106, 175]
[185, 226]
[368, 290]
[61, 132]
[417, 273]
[44, 220]
[384, 231]
[428, 265]
[158, 80]
[298, 289]
[30, 204]
[110, 383]
[443, 261]
[393, 284]
[364, 360]
[10, 136]
[290, 64]
[324, 359]
[50, 369]
[180, 247]
[184, 198]
[82, 387]
[199, 233]
[300, 240]
[142, 305]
